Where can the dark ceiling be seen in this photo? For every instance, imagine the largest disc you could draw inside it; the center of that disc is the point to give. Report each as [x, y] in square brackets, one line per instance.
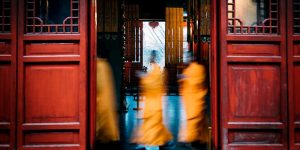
[155, 9]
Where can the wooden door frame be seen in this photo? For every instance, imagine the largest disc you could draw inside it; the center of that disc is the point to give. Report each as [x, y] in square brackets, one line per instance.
[214, 60]
[291, 102]
[92, 74]
[292, 61]
[14, 48]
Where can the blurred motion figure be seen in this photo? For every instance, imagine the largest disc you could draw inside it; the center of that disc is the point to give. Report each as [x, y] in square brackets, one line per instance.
[107, 131]
[152, 131]
[193, 92]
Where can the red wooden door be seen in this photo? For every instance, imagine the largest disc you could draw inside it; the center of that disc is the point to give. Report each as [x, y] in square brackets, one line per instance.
[8, 65]
[52, 74]
[294, 72]
[253, 74]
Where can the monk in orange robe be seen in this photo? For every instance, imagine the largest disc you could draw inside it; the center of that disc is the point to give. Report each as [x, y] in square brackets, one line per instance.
[106, 114]
[193, 92]
[152, 132]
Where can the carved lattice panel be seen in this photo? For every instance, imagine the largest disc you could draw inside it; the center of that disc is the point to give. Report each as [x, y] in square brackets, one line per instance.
[296, 14]
[52, 16]
[5, 16]
[252, 17]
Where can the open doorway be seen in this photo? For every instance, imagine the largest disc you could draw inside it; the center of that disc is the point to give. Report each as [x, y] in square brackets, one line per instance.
[154, 39]
[124, 40]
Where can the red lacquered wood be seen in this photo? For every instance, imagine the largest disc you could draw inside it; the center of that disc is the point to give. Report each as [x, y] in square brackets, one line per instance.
[8, 54]
[293, 76]
[237, 49]
[52, 48]
[214, 75]
[92, 71]
[52, 86]
[253, 86]
[40, 138]
[54, 37]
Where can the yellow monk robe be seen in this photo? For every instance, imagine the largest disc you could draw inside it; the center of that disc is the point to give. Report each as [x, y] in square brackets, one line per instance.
[106, 117]
[193, 93]
[152, 132]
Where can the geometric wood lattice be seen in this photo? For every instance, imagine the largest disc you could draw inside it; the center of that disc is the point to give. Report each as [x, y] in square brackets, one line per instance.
[52, 16]
[296, 14]
[252, 17]
[5, 16]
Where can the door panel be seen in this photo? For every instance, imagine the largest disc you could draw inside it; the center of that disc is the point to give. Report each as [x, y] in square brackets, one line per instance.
[52, 75]
[294, 72]
[7, 74]
[61, 82]
[296, 86]
[253, 75]
[254, 93]
[6, 78]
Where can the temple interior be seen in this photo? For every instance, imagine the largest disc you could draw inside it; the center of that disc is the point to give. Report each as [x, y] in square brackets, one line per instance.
[171, 28]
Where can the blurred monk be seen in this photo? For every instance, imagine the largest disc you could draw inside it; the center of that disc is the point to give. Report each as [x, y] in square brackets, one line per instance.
[193, 92]
[152, 132]
[107, 131]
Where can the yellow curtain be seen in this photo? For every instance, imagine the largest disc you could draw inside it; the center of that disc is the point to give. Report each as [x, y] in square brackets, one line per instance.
[174, 35]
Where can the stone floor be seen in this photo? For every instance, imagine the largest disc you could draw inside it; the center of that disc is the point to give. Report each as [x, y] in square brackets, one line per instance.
[173, 115]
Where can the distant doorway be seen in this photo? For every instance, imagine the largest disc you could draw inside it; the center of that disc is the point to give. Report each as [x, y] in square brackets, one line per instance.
[154, 39]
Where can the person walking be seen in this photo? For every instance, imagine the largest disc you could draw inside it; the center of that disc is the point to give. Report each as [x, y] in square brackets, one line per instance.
[152, 131]
[193, 92]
